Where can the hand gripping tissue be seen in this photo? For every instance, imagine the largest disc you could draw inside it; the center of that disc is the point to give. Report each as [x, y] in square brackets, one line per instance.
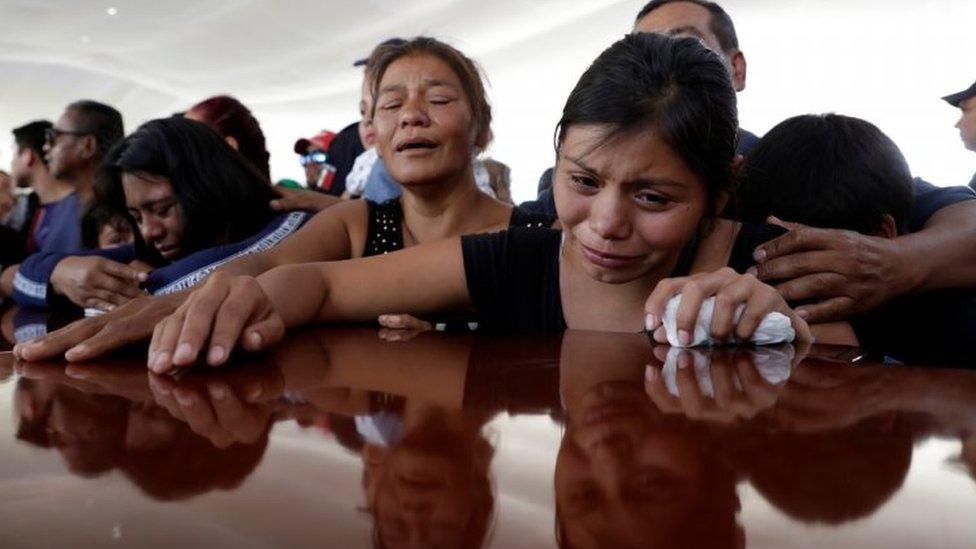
[775, 327]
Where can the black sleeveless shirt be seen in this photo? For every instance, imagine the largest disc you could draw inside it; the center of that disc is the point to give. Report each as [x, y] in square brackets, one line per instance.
[384, 233]
[513, 275]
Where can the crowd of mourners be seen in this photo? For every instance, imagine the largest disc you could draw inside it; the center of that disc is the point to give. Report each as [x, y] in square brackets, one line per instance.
[176, 233]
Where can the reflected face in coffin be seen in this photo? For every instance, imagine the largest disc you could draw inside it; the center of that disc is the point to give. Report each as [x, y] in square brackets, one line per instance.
[423, 121]
[431, 489]
[628, 205]
[152, 202]
[623, 477]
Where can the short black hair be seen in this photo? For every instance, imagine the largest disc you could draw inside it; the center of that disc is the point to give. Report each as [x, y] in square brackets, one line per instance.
[675, 86]
[101, 120]
[223, 196]
[31, 136]
[721, 24]
[828, 171]
[97, 217]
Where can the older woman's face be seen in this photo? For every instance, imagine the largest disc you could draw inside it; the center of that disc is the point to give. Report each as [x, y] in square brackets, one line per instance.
[423, 121]
[627, 206]
[159, 216]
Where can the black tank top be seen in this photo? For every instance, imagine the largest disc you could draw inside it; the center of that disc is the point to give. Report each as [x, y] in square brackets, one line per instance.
[384, 233]
[513, 275]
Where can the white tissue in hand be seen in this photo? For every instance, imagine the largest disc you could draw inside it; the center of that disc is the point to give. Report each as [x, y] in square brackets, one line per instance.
[774, 328]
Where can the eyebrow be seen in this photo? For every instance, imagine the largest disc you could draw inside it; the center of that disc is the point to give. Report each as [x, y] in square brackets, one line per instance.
[640, 181]
[150, 203]
[430, 82]
[687, 29]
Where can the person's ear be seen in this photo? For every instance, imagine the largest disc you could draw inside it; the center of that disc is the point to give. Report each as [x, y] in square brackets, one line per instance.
[887, 228]
[232, 142]
[89, 147]
[738, 62]
[738, 161]
[721, 201]
[31, 158]
[482, 136]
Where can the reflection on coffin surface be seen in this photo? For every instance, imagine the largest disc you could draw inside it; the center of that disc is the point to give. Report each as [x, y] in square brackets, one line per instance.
[341, 438]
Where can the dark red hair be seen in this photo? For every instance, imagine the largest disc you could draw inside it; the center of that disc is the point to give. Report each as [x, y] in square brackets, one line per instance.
[232, 119]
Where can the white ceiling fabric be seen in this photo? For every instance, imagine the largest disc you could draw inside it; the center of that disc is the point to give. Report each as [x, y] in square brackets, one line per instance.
[290, 62]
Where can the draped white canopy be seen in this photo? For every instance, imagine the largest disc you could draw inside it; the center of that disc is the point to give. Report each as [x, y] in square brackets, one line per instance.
[885, 60]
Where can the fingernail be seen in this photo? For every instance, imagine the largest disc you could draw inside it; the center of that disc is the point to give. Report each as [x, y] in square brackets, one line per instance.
[183, 397]
[76, 373]
[650, 373]
[184, 353]
[684, 337]
[650, 322]
[684, 360]
[759, 255]
[217, 354]
[255, 339]
[802, 313]
[162, 361]
[218, 391]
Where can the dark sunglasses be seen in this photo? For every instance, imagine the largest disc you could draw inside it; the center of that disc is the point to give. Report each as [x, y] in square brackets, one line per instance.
[314, 157]
[52, 134]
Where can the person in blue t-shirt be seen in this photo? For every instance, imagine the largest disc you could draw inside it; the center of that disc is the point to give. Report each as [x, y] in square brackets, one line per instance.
[73, 150]
[29, 169]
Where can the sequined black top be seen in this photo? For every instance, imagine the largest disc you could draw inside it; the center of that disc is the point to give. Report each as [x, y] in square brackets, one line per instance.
[385, 231]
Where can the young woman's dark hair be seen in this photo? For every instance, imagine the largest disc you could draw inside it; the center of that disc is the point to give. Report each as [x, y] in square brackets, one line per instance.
[223, 197]
[674, 87]
[828, 171]
[466, 70]
[232, 119]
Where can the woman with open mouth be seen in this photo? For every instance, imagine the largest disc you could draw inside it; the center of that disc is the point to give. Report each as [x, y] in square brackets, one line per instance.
[433, 119]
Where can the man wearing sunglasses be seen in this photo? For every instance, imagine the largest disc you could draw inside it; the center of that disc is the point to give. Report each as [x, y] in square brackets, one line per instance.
[73, 149]
[313, 156]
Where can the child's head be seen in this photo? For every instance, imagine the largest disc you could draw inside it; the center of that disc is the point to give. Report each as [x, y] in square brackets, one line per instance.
[828, 171]
[102, 227]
